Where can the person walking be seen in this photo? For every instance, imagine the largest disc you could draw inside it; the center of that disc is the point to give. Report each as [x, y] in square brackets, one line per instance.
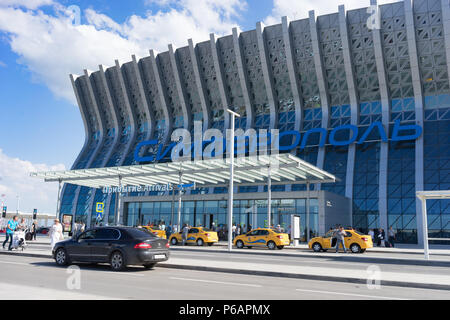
[372, 234]
[340, 237]
[10, 228]
[184, 234]
[233, 229]
[22, 225]
[34, 227]
[56, 233]
[380, 236]
[391, 237]
[168, 231]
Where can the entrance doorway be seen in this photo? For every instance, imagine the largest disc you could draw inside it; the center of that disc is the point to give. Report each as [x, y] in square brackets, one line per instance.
[208, 219]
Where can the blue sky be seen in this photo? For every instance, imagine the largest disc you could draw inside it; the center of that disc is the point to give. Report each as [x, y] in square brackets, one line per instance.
[40, 46]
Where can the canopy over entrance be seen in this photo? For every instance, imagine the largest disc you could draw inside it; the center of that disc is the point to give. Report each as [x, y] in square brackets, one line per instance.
[253, 170]
[285, 169]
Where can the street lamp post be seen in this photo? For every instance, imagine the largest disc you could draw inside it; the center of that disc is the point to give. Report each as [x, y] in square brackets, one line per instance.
[230, 188]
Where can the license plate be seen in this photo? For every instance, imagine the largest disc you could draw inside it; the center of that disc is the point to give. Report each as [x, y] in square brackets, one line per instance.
[160, 256]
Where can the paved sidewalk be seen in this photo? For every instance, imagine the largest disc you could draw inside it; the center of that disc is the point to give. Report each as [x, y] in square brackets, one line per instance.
[437, 250]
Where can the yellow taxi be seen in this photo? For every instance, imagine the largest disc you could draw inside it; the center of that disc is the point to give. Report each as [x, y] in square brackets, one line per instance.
[262, 237]
[356, 241]
[197, 235]
[157, 232]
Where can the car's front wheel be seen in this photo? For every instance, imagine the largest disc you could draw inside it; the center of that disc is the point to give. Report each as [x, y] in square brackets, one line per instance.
[239, 244]
[355, 248]
[117, 261]
[200, 242]
[174, 241]
[271, 245]
[61, 257]
[317, 247]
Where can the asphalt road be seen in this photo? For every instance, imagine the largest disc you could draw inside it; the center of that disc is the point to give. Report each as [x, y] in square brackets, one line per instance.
[39, 278]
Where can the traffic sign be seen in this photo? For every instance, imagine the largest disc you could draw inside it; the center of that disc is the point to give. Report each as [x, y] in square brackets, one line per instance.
[99, 206]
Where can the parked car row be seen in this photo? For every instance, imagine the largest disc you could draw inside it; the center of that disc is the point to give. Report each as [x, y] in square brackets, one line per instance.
[123, 246]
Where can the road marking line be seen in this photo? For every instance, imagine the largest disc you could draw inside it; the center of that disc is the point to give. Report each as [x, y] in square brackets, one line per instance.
[218, 282]
[18, 263]
[350, 294]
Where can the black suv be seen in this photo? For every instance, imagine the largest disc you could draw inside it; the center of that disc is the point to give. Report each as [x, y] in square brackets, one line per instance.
[118, 246]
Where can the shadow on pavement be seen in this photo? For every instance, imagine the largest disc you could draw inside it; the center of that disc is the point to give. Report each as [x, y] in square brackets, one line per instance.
[89, 266]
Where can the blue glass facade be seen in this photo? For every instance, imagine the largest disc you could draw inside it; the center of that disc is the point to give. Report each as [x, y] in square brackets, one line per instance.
[247, 213]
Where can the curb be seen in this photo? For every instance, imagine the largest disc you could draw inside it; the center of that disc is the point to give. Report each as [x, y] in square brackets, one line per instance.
[349, 258]
[274, 274]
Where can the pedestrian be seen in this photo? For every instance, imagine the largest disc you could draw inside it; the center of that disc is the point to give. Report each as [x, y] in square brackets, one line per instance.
[163, 226]
[372, 234]
[10, 228]
[213, 226]
[233, 230]
[380, 236]
[168, 231]
[238, 229]
[34, 227]
[340, 237]
[184, 234]
[22, 225]
[391, 237]
[278, 229]
[56, 233]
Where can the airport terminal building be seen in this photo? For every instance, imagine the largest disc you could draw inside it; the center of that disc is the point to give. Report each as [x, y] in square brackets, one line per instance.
[366, 92]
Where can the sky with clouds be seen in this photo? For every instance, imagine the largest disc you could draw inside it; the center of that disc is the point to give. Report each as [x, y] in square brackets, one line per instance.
[43, 41]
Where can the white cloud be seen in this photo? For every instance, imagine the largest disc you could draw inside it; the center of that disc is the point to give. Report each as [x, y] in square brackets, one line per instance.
[33, 193]
[30, 4]
[51, 46]
[2, 64]
[299, 9]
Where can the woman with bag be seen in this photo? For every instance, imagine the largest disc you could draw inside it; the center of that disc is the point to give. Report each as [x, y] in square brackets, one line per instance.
[56, 233]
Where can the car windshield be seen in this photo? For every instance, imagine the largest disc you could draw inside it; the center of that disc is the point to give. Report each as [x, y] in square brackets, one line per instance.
[357, 232]
[140, 233]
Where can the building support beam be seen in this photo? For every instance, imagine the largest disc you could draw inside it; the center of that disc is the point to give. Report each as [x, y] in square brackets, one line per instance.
[352, 93]
[321, 84]
[220, 80]
[445, 4]
[162, 98]
[295, 85]
[187, 115]
[418, 100]
[385, 117]
[243, 80]
[267, 75]
[200, 89]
